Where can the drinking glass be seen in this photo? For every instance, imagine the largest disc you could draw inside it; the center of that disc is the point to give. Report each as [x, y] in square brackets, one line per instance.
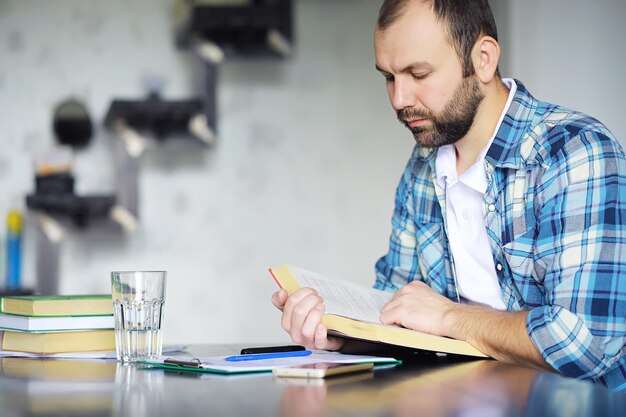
[138, 298]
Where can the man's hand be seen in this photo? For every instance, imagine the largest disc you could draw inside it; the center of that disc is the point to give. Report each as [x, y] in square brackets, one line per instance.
[499, 334]
[302, 315]
[417, 306]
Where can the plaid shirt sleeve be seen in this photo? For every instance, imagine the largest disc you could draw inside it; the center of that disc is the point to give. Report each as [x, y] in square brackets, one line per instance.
[399, 265]
[581, 246]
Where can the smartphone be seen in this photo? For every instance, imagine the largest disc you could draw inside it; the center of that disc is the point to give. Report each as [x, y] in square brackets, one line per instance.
[321, 369]
[321, 382]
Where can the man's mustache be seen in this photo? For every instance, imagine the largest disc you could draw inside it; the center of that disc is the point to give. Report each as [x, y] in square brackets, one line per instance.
[412, 114]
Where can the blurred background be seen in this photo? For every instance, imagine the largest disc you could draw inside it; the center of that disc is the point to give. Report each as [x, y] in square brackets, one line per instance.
[297, 161]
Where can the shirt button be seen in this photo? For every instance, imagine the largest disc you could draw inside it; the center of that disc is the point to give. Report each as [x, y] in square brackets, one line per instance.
[499, 267]
[492, 207]
[465, 216]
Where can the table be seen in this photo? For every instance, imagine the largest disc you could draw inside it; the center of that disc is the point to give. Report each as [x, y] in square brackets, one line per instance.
[425, 385]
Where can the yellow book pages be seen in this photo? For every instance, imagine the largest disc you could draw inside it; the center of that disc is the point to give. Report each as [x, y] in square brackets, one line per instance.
[62, 305]
[290, 278]
[83, 341]
[285, 279]
[395, 335]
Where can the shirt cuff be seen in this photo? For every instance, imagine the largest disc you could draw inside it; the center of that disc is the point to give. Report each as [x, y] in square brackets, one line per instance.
[566, 343]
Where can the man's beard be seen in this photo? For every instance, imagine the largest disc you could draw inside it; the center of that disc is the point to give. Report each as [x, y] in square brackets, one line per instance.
[452, 123]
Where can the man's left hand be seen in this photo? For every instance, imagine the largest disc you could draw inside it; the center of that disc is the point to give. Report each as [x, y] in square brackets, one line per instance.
[417, 306]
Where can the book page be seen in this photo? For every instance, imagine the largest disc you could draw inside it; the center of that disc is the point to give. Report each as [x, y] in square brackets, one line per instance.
[344, 298]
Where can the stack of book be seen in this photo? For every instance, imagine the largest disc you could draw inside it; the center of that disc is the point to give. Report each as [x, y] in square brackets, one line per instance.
[57, 324]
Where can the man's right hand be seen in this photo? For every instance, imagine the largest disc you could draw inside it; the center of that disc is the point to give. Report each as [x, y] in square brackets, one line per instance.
[302, 315]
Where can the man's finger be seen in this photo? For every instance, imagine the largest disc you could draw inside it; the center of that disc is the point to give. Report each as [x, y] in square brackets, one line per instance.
[301, 313]
[322, 341]
[390, 315]
[311, 323]
[292, 301]
[279, 298]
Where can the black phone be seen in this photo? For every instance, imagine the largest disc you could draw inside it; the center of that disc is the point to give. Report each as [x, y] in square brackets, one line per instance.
[271, 349]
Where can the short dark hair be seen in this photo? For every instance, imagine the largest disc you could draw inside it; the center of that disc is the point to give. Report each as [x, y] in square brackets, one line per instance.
[465, 21]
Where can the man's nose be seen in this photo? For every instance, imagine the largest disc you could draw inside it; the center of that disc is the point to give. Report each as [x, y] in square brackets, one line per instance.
[402, 95]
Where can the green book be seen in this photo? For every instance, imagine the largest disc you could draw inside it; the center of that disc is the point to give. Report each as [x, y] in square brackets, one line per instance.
[58, 305]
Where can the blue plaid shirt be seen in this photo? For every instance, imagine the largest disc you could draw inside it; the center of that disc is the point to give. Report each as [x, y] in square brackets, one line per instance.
[555, 212]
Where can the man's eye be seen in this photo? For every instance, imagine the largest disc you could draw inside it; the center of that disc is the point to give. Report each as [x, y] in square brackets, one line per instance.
[420, 76]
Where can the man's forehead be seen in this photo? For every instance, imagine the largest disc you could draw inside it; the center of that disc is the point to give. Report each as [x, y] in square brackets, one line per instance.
[412, 41]
[416, 23]
[414, 13]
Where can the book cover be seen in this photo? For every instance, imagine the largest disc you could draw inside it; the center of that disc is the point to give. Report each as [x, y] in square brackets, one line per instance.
[353, 311]
[80, 341]
[58, 305]
[54, 324]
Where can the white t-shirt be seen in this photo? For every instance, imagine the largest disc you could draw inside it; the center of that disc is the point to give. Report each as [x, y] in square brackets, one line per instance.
[475, 270]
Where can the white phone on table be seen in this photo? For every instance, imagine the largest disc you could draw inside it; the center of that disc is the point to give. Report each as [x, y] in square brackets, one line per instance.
[321, 369]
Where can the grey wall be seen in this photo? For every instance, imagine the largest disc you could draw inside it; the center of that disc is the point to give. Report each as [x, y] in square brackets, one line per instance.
[309, 151]
[308, 158]
[569, 52]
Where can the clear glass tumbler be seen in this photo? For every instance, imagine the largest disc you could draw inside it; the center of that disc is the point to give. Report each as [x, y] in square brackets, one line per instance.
[138, 298]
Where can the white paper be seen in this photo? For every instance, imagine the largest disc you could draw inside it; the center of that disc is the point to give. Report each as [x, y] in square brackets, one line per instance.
[345, 298]
[220, 364]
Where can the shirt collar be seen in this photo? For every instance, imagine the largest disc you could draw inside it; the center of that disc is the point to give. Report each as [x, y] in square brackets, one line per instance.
[506, 150]
[445, 164]
[513, 146]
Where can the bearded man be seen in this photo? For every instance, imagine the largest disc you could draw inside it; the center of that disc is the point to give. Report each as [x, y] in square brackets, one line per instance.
[509, 223]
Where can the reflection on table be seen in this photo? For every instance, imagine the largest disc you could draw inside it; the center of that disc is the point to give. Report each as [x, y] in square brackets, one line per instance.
[57, 387]
[485, 388]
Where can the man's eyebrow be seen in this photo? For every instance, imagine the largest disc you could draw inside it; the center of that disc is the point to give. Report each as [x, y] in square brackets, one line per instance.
[379, 69]
[417, 65]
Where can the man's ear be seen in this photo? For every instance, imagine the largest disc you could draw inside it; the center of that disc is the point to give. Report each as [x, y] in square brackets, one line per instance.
[485, 57]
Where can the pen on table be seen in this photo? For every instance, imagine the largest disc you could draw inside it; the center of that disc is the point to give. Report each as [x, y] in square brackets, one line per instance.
[273, 355]
[271, 349]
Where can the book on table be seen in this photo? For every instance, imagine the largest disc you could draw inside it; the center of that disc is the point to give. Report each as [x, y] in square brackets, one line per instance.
[353, 311]
[57, 323]
[58, 342]
[58, 305]
[50, 324]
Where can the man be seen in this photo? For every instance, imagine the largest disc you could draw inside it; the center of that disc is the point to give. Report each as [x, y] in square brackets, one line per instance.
[508, 230]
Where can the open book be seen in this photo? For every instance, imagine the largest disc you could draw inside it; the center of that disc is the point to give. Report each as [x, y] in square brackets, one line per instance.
[353, 311]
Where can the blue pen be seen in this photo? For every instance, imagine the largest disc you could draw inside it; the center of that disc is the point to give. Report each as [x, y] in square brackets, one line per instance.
[273, 355]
